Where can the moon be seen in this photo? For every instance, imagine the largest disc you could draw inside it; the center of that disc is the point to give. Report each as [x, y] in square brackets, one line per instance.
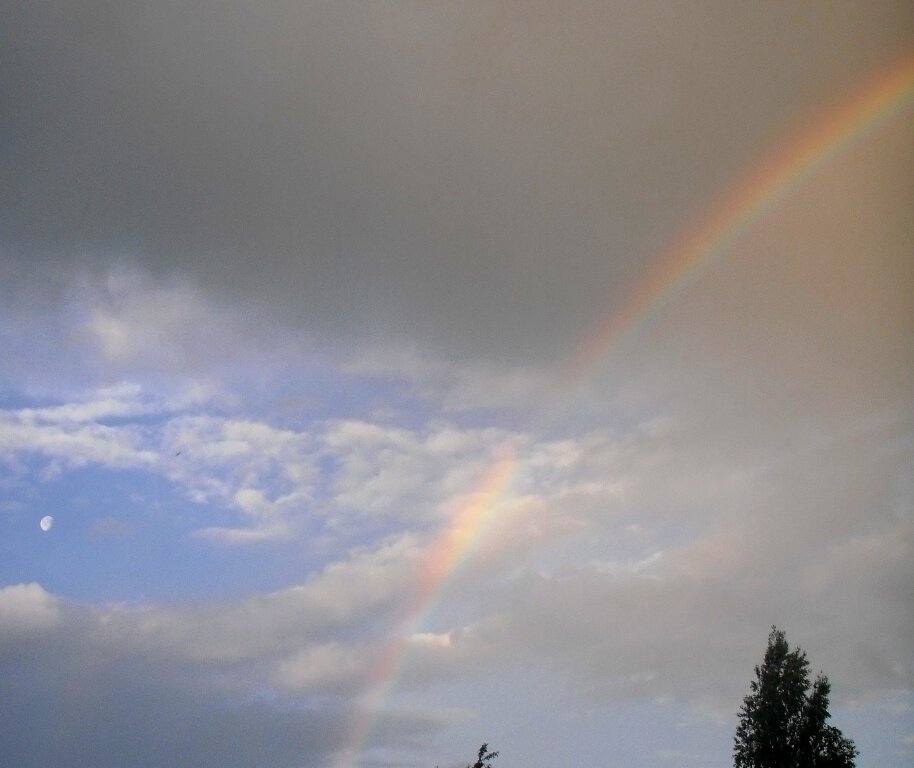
[45, 523]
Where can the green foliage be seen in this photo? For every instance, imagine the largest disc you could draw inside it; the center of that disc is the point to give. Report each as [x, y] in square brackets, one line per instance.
[782, 724]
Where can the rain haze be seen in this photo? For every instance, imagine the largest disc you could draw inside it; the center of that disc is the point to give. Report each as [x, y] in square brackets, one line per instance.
[381, 379]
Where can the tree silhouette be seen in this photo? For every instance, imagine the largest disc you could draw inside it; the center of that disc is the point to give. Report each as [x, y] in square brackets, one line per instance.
[783, 726]
[484, 758]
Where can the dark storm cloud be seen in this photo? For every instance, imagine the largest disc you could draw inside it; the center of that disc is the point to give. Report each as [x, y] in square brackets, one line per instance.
[486, 176]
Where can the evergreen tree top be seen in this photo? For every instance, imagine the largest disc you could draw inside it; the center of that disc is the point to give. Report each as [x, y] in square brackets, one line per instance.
[783, 720]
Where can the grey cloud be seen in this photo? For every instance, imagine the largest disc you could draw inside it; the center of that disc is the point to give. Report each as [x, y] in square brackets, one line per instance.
[128, 720]
[63, 703]
[692, 635]
[664, 588]
[347, 601]
[105, 686]
[484, 177]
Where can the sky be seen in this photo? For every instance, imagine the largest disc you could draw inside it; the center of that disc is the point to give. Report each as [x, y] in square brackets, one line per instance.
[404, 376]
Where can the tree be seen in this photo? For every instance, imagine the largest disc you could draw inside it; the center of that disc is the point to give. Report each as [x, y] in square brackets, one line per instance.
[484, 758]
[782, 724]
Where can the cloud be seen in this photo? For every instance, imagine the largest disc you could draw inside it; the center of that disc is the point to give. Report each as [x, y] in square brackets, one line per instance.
[641, 522]
[471, 385]
[659, 531]
[235, 682]
[106, 403]
[328, 667]
[348, 597]
[140, 324]
[267, 474]
[392, 472]
[109, 527]
[724, 546]
[62, 702]
[309, 268]
[70, 443]
[483, 194]
[27, 609]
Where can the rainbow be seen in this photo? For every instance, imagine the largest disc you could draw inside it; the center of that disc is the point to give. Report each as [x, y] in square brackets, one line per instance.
[751, 198]
[467, 526]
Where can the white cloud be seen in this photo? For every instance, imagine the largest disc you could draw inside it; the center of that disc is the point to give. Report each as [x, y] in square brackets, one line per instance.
[361, 590]
[410, 475]
[26, 610]
[108, 402]
[246, 535]
[323, 667]
[72, 440]
[267, 474]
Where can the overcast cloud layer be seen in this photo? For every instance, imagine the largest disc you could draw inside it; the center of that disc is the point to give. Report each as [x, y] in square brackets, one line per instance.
[278, 284]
